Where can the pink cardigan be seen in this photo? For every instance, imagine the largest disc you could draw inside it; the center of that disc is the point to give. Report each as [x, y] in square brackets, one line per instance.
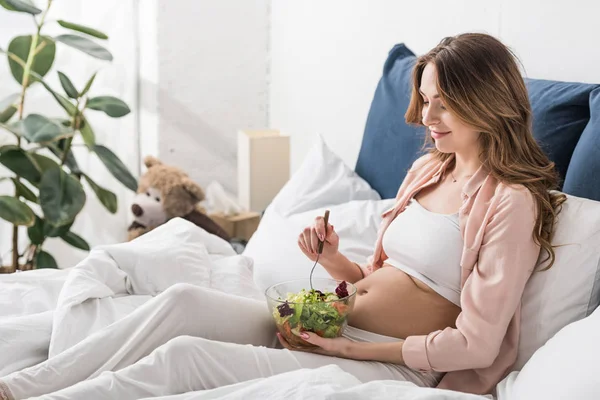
[499, 255]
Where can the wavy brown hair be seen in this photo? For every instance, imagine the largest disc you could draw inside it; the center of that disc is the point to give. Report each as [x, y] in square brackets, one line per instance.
[479, 81]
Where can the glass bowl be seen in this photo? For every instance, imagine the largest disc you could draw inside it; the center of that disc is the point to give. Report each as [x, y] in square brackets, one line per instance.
[326, 316]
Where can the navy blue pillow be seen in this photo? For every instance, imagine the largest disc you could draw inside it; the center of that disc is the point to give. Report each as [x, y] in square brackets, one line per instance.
[583, 176]
[561, 112]
[389, 145]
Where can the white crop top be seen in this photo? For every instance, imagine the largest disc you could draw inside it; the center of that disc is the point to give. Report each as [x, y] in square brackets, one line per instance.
[428, 246]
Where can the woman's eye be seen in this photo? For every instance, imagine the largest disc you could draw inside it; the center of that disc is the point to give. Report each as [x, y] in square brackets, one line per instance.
[442, 107]
[425, 103]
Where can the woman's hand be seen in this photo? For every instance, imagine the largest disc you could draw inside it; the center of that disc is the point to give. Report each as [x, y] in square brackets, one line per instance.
[337, 347]
[308, 240]
[389, 352]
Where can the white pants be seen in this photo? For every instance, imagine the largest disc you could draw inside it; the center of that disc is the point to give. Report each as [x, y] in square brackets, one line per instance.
[187, 338]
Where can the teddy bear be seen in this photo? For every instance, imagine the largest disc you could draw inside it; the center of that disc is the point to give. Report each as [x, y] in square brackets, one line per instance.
[166, 192]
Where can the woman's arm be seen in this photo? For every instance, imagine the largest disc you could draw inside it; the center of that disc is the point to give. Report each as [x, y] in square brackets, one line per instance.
[342, 347]
[389, 352]
[340, 267]
[490, 296]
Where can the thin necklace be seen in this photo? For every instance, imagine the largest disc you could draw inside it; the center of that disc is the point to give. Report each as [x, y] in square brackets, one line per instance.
[454, 179]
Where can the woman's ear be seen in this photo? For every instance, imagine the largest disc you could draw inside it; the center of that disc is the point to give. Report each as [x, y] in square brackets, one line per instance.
[193, 188]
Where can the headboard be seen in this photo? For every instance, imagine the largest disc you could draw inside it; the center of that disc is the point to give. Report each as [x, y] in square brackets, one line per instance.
[566, 124]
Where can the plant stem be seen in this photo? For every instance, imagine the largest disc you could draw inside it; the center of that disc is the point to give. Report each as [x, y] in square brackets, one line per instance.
[25, 83]
[75, 125]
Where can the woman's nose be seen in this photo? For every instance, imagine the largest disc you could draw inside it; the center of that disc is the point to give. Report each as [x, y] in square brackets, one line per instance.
[430, 117]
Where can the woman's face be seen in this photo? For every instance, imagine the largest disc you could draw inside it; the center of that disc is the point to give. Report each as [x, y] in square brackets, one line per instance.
[449, 133]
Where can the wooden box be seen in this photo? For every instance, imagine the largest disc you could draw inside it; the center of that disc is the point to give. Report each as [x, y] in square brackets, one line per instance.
[241, 226]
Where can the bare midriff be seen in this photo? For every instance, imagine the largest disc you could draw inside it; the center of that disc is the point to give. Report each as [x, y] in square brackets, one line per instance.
[392, 303]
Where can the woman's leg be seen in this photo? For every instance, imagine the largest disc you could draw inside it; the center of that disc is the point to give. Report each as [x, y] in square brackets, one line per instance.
[187, 364]
[180, 310]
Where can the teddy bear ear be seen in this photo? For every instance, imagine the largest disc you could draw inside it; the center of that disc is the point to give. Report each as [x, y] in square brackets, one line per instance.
[151, 161]
[193, 188]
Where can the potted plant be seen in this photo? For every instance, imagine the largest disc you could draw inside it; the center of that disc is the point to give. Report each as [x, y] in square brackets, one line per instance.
[48, 192]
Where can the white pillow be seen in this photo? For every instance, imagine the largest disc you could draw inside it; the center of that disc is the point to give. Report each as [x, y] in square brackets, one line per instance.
[323, 179]
[566, 367]
[570, 290]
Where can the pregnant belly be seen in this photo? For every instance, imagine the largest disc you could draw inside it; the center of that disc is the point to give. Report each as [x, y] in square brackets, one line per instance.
[392, 303]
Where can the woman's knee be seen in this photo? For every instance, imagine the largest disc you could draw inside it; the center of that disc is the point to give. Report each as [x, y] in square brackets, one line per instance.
[182, 294]
[178, 348]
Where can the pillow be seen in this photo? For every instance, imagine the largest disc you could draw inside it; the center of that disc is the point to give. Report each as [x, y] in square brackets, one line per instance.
[560, 113]
[322, 179]
[570, 289]
[584, 168]
[390, 146]
[274, 245]
[566, 367]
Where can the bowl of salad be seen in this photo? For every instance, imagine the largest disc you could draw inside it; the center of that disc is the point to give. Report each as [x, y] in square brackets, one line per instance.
[323, 310]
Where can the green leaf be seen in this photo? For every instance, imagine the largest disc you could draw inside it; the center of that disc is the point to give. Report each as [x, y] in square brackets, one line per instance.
[116, 167]
[56, 231]
[85, 45]
[68, 86]
[20, 6]
[83, 29]
[45, 260]
[88, 135]
[66, 104]
[71, 161]
[61, 196]
[7, 114]
[39, 129]
[42, 62]
[21, 163]
[112, 106]
[15, 211]
[75, 240]
[36, 231]
[43, 163]
[88, 85]
[8, 107]
[23, 191]
[106, 197]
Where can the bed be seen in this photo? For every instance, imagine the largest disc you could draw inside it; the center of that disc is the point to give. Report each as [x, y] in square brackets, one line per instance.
[50, 311]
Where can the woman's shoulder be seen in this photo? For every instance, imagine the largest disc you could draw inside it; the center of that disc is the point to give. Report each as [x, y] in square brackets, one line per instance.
[426, 160]
[513, 195]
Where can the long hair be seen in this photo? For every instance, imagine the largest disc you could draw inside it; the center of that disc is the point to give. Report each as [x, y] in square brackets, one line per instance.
[479, 81]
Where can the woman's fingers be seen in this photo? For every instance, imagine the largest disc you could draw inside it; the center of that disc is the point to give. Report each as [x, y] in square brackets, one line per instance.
[303, 246]
[314, 241]
[307, 240]
[320, 228]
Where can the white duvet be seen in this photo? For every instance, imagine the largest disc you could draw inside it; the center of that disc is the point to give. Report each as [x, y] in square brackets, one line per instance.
[45, 312]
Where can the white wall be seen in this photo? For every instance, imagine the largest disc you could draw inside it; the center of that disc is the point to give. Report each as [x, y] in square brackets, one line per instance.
[212, 77]
[327, 56]
[115, 18]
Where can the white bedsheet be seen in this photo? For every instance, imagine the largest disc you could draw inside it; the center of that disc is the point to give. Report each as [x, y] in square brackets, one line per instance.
[48, 311]
[328, 382]
[51, 311]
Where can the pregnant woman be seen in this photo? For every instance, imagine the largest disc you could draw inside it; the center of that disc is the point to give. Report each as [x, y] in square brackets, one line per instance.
[438, 301]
